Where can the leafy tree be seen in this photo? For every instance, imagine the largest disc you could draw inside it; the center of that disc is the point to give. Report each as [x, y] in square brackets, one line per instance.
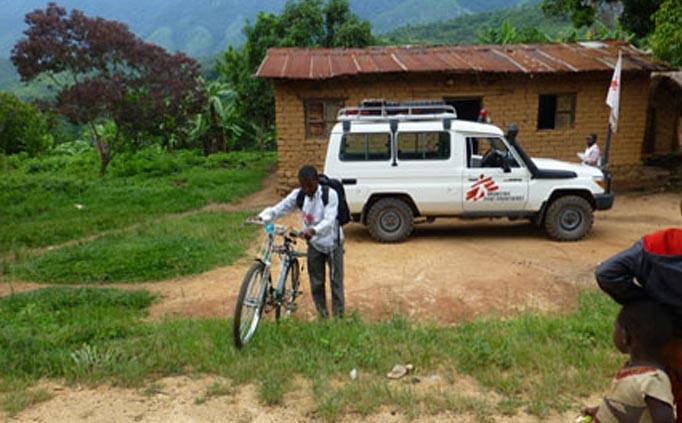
[666, 41]
[343, 28]
[22, 127]
[109, 74]
[636, 15]
[302, 23]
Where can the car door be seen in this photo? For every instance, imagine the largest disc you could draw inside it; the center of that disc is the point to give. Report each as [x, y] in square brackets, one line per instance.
[494, 179]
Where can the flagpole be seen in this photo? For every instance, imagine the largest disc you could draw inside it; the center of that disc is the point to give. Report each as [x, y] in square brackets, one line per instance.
[613, 101]
[607, 147]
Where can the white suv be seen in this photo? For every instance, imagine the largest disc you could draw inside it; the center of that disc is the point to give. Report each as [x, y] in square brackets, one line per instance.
[402, 161]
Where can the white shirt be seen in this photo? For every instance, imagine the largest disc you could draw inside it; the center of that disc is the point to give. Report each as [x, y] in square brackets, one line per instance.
[315, 215]
[591, 156]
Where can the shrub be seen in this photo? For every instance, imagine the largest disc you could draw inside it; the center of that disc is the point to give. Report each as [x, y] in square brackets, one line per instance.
[22, 127]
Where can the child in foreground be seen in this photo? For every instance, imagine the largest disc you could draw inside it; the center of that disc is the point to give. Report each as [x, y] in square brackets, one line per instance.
[641, 390]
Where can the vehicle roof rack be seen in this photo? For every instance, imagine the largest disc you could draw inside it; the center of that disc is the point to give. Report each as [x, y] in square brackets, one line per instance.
[382, 110]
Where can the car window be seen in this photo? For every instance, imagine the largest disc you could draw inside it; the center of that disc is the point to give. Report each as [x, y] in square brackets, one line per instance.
[488, 152]
[424, 145]
[365, 147]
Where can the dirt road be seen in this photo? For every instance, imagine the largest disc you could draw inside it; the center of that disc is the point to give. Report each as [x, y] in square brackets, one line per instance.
[451, 270]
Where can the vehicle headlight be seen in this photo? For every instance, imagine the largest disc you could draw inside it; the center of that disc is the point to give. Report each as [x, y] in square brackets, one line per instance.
[600, 180]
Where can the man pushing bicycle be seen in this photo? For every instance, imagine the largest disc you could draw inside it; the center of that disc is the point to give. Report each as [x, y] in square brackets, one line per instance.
[323, 213]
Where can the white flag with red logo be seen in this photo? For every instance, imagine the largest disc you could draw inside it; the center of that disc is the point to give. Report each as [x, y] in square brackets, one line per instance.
[613, 97]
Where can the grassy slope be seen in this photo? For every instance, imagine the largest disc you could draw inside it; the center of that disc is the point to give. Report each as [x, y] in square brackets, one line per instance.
[163, 249]
[132, 213]
[43, 195]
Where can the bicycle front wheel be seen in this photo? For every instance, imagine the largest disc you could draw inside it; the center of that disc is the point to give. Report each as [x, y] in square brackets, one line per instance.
[290, 290]
[250, 304]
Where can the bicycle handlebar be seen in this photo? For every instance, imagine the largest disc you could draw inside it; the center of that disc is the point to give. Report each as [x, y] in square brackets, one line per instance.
[281, 230]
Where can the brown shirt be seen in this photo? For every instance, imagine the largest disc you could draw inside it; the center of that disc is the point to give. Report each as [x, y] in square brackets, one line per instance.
[624, 403]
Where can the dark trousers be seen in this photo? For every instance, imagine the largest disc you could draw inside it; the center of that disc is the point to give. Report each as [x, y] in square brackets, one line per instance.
[317, 262]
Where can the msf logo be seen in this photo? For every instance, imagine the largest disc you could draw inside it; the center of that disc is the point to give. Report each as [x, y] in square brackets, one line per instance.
[481, 188]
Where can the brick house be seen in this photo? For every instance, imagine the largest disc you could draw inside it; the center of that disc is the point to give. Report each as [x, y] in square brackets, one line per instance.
[555, 93]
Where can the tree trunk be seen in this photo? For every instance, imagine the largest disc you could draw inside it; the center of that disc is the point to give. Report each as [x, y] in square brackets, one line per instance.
[217, 133]
[104, 162]
[104, 155]
[103, 151]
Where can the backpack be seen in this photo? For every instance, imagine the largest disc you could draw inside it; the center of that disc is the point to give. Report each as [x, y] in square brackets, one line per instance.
[343, 211]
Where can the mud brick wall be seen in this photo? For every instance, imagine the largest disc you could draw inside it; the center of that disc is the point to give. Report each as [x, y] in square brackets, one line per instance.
[667, 118]
[508, 98]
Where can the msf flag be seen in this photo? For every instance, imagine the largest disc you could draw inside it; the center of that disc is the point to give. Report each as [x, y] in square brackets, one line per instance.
[613, 97]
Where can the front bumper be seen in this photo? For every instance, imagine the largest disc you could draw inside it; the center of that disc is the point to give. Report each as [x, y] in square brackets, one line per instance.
[604, 201]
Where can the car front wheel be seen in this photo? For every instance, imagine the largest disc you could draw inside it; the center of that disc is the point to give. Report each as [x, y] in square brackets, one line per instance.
[569, 218]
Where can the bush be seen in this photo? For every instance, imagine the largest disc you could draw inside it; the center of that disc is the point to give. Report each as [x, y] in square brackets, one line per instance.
[22, 127]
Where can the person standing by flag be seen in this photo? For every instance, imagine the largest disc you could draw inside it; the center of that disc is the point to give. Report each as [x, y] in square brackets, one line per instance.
[591, 156]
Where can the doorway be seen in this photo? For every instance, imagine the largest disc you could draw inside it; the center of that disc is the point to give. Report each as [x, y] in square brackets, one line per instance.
[467, 108]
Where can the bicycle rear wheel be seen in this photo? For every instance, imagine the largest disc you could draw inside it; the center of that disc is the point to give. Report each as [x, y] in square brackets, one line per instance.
[250, 304]
[290, 290]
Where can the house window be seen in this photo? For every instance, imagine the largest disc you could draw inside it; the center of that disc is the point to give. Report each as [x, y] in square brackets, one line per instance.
[320, 117]
[365, 147]
[423, 146]
[556, 111]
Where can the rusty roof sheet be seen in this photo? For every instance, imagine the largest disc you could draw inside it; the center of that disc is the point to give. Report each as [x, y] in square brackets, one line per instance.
[316, 64]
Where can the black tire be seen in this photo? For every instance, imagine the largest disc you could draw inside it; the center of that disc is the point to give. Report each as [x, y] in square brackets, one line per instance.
[252, 280]
[390, 220]
[291, 285]
[569, 218]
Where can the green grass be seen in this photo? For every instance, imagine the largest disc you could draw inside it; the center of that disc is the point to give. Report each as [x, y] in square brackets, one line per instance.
[67, 332]
[21, 398]
[534, 362]
[163, 249]
[58, 198]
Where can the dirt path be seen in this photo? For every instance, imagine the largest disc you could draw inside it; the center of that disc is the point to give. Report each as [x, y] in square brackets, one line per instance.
[183, 399]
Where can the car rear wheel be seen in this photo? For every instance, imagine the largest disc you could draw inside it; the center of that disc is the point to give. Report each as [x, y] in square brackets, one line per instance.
[390, 220]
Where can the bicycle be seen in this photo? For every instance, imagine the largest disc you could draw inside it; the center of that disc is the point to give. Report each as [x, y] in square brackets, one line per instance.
[257, 293]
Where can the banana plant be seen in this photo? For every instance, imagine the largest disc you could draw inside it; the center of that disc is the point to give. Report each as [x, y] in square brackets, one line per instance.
[218, 126]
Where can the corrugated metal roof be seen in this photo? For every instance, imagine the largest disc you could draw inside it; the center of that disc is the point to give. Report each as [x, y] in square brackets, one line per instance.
[315, 64]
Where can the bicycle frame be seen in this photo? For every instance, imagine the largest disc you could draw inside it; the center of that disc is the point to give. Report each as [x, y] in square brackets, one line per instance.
[287, 255]
[257, 293]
